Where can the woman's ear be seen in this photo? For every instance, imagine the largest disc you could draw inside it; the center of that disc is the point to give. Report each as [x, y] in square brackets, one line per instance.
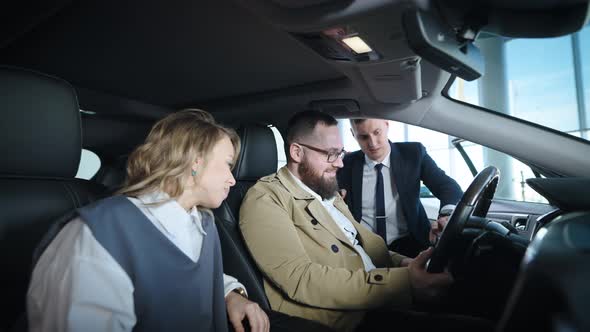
[196, 166]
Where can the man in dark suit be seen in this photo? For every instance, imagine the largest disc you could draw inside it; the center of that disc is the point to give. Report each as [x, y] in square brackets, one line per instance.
[382, 183]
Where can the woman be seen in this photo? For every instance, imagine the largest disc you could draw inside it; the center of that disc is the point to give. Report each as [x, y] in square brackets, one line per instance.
[149, 258]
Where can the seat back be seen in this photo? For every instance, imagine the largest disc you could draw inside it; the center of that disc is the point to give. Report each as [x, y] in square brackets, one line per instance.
[40, 149]
[258, 158]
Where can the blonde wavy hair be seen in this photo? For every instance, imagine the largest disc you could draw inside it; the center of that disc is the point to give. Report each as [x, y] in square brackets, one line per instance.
[173, 144]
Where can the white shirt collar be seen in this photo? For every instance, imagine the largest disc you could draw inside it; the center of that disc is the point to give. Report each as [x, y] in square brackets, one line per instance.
[371, 163]
[171, 215]
[309, 190]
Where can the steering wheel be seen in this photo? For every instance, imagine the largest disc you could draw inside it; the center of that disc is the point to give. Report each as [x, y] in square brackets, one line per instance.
[475, 202]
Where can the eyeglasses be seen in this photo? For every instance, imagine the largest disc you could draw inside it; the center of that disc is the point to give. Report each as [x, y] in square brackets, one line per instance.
[332, 155]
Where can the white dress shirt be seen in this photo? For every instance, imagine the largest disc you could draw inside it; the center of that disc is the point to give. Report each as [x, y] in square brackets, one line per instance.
[343, 223]
[78, 286]
[396, 225]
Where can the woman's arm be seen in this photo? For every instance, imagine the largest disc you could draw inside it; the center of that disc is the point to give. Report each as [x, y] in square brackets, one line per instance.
[78, 286]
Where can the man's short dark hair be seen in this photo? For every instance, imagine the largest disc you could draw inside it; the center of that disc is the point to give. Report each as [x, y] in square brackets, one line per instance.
[303, 123]
[356, 121]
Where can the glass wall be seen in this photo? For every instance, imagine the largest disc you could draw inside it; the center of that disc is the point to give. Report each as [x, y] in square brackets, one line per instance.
[541, 77]
[584, 86]
[533, 79]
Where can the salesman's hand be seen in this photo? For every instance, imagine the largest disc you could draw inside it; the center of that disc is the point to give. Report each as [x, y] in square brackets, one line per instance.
[239, 307]
[427, 286]
[436, 228]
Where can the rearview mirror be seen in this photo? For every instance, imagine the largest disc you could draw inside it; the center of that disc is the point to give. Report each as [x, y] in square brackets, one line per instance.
[438, 43]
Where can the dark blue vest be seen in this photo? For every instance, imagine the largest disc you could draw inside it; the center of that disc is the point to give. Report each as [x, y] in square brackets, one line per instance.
[172, 293]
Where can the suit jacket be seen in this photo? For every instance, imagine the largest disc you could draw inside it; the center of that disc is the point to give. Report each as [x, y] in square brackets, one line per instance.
[310, 268]
[409, 163]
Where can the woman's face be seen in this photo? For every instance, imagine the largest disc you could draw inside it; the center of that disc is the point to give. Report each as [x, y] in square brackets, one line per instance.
[214, 177]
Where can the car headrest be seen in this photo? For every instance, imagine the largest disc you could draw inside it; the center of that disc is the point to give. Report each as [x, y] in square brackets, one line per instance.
[41, 129]
[258, 155]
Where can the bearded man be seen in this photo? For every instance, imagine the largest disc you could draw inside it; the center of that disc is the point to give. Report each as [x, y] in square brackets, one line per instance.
[318, 263]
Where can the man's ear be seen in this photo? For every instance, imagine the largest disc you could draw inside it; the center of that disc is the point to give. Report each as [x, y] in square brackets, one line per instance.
[296, 152]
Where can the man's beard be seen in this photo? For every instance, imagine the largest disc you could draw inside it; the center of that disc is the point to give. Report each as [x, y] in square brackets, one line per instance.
[326, 188]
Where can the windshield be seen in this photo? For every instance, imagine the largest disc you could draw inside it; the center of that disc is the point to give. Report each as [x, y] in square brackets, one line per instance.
[545, 81]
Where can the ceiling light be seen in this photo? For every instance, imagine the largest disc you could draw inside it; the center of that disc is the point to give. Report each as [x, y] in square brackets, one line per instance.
[357, 44]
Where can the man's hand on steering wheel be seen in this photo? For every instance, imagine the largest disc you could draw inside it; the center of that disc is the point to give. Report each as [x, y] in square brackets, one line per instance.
[436, 228]
[427, 286]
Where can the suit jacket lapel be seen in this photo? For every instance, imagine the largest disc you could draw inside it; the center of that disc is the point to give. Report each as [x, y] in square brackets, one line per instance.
[357, 186]
[395, 163]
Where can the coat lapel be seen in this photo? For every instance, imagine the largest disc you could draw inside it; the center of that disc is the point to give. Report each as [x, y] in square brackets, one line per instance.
[373, 244]
[314, 207]
[320, 214]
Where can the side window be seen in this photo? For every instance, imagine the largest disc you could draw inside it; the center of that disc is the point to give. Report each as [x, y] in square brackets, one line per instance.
[282, 159]
[89, 165]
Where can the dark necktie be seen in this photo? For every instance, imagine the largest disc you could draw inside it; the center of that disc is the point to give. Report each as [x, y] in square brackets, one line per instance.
[380, 204]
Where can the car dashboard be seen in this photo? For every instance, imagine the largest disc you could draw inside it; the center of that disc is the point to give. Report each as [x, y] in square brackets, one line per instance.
[551, 292]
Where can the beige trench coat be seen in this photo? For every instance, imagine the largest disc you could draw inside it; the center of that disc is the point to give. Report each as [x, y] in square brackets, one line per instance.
[310, 268]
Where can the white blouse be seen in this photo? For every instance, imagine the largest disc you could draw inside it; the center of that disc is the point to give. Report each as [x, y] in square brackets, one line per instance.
[78, 286]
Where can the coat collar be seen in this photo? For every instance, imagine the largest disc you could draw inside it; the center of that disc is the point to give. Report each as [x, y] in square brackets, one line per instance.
[373, 245]
[288, 180]
[314, 206]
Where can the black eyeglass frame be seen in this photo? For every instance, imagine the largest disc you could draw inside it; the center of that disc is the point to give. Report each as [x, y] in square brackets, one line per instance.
[331, 155]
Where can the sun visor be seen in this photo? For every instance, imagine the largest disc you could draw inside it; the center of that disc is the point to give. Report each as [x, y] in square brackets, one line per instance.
[397, 81]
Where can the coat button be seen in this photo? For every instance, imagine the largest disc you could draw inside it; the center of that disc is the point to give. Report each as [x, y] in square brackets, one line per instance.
[335, 248]
[378, 277]
[314, 222]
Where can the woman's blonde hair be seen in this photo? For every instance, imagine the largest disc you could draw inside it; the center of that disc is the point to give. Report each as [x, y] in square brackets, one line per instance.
[173, 144]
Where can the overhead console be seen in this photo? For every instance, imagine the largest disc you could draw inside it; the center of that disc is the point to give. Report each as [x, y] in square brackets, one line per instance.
[363, 39]
[385, 64]
[381, 45]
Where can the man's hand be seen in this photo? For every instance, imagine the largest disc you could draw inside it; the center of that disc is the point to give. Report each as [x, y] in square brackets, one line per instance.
[239, 307]
[406, 262]
[427, 286]
[342, 192]
[437, 227]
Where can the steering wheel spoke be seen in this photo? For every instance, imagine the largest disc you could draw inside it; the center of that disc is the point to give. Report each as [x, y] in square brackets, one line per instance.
[475, 203]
